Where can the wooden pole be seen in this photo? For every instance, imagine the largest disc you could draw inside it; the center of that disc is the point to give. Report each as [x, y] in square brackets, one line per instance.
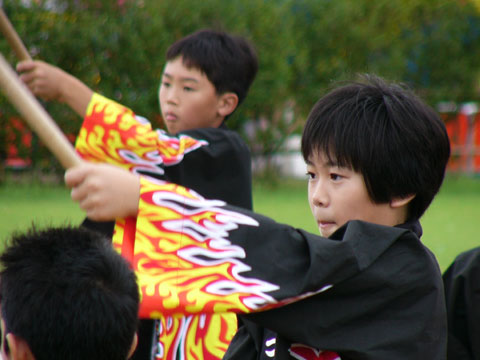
[13, 38]
[36, 116]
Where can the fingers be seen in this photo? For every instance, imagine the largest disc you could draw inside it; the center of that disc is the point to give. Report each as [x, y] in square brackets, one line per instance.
[76, 175]
[26, 69]
[104, 192]
[42, 79]
[75, 179]
[27, 65]
[83, 180]
[86, 187]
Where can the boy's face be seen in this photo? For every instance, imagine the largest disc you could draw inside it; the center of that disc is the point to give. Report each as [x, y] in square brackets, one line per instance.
[337, 195]
[188, 100]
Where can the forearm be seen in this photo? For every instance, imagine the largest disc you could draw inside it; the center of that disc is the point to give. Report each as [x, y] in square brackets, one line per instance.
[196, 255]
[75, 94]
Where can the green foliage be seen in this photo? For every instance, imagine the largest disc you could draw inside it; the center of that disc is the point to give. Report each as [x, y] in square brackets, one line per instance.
[431, 45]
[304, 46]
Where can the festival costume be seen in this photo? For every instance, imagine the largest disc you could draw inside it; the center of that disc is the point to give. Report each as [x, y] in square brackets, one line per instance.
[462, 293]
[368, 292]
[220, 170]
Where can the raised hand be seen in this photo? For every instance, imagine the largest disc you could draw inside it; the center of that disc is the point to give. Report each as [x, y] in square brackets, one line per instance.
[51, 83]
[105, 192]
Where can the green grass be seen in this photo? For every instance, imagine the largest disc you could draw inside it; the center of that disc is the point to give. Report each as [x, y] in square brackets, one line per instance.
[24, 204]
[450, 225]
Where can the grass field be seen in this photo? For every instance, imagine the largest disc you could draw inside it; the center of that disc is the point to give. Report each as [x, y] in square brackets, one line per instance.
[451, 225]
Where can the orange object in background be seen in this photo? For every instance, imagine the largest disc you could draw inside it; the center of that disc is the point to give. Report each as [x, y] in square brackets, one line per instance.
[463, 128]
[19, 144]
[476, 144]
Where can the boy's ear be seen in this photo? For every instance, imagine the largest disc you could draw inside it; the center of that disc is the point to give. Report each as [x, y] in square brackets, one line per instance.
[19, 349]
[227, 103]
[397, 202]
[134, 346]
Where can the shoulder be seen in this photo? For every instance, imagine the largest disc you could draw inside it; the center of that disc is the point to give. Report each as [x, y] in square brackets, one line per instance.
[391, 246]
[219, 136]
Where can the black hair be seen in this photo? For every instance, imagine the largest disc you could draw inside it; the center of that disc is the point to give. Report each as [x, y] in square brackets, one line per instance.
[386, 133]
[69, 295]
[229, 61]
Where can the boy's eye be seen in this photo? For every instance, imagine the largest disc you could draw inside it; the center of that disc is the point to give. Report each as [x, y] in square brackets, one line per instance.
[165, 83]
[310, 175]
[188, 88]
[335, 177]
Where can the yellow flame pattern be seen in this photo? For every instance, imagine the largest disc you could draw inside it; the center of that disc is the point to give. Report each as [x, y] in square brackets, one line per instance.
[188, 274]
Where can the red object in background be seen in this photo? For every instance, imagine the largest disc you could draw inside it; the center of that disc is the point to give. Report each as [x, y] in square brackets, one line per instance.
[476, 144]
[457, 129]
[18, 137]
[17, 134]
[463, 130]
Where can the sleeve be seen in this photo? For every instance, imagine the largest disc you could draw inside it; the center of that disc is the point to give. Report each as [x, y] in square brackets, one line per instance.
[462, 293]
[214, 162]
[196, 255]
[112, 133]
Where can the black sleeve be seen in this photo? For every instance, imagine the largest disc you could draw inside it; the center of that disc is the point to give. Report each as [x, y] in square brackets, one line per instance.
[373, 290]
[462, 293]
[221, 170]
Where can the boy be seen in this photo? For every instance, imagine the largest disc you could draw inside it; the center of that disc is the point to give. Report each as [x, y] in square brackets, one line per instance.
[376, 157]
[66, 294]
[206, 76]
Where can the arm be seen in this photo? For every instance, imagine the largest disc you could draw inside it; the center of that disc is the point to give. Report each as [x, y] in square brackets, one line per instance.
[112, 133]
[368, 282]
[192, 255]
[210, 161]
[53, 84]
[196, 255]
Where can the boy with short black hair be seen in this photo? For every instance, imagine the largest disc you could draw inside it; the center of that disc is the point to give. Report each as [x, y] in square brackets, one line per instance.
[66, 294]
[227, 64]
[376, 156]
[206, 76]
[379, 133]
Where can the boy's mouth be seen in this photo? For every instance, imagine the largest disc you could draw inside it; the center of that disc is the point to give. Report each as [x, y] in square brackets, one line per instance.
[170, 116]
[325, 227]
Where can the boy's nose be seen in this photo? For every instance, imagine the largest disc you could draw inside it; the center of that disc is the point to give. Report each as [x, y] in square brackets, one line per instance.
[319, 195]
[171, 95]
[172, 98]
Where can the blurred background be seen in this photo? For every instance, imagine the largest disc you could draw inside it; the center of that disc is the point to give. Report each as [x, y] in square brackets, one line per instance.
[117, 48]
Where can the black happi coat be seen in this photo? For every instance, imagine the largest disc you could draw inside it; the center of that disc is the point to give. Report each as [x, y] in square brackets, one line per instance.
[462, 292]
[221, 170]
[386, 301]
[369, 292]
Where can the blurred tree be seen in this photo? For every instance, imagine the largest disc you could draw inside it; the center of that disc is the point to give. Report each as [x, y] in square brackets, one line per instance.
[432, 45]
[117, 48]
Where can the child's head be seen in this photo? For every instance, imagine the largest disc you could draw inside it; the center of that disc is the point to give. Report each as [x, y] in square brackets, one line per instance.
[67, 294]
[206, 77]
[384, 135]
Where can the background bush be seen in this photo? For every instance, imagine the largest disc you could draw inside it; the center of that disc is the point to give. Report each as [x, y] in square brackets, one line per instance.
[117, 48]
